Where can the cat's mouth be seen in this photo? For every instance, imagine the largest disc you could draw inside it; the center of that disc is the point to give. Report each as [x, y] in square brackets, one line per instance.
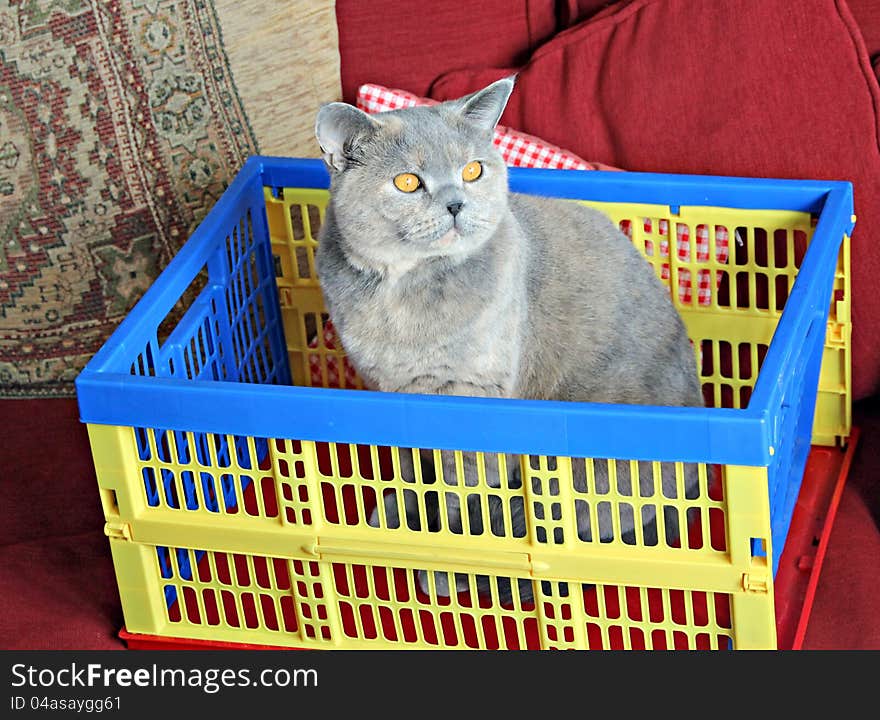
[449, 237]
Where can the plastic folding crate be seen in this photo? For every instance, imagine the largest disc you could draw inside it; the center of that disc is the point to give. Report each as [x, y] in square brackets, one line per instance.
[238, 462]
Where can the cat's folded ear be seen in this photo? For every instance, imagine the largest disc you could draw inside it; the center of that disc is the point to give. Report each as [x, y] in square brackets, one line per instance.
[338, 128]
[484, 107]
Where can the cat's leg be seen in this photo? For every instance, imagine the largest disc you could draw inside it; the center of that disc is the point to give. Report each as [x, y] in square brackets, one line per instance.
[473, 470]
[671, 484]
[498, 526]
[413, 507]
[504, 585]
[604, 506]
[453, 474]
[600, 514]
[582, 479]
[647, 484]
[458, 471]
[388, 504]
[635, 482]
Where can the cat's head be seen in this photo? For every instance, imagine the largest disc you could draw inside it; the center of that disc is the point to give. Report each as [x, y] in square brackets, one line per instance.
[419, 182]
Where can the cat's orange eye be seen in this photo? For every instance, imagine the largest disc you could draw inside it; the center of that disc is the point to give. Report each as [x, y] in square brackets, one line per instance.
[472, 171]
[407, 182]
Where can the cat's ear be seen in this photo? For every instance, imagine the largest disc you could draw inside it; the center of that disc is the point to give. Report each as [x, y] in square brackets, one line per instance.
[485, 106]
[338, 127]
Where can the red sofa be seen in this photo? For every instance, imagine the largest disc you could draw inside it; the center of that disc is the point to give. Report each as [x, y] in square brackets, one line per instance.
[737, 87]
[740, 87]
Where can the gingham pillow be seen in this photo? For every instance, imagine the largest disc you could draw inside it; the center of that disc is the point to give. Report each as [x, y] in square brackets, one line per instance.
[316, 379]
[683, 248]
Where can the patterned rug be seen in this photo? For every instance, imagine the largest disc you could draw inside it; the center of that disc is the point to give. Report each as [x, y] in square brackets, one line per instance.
[120, 126]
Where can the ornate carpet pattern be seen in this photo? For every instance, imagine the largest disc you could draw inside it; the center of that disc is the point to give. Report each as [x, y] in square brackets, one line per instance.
[120, 126]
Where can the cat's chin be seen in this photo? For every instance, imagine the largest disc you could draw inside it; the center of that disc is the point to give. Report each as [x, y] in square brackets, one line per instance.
[449, 238]
[457, 242]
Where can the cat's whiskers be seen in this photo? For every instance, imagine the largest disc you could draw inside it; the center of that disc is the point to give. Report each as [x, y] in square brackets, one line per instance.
[423, 230]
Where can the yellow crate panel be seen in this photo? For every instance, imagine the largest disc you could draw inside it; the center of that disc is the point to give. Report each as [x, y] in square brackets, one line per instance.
[274, 601]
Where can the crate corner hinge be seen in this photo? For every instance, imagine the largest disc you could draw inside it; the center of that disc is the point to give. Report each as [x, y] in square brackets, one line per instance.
[118, 530]
[756, 582]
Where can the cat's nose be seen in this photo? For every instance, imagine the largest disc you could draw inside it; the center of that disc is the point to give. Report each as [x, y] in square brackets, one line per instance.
[454, 208]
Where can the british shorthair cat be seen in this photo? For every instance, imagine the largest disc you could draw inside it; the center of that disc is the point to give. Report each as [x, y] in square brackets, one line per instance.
[441, 281]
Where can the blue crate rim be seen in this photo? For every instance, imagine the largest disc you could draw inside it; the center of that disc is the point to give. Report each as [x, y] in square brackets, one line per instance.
[714, 435]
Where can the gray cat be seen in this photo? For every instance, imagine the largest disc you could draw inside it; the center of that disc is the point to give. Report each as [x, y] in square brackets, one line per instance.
[439, 280]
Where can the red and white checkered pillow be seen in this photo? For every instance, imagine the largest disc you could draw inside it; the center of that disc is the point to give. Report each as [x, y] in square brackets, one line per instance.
[351, 378]
[683, 248]
[522, 150]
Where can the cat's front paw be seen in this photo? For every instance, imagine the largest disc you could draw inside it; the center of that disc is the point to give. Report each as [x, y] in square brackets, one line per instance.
[441, 583]
[389, 510]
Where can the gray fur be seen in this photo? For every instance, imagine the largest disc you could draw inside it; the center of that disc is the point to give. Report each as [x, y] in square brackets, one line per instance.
[531, 297]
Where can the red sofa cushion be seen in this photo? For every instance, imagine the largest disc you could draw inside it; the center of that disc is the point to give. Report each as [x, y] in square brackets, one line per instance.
[392, 44]
[756, 88]
[569, 12]
[867, 16]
